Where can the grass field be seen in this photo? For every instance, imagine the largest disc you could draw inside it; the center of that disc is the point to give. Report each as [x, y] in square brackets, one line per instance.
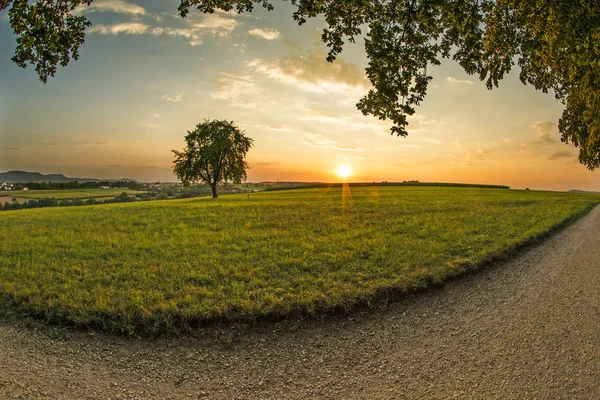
[159, 267]
[72, 193]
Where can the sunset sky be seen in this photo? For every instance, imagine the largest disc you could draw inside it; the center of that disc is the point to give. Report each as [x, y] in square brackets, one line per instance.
[146, 76]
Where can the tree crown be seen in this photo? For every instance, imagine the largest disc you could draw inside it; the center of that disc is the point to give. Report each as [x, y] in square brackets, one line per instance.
[214, 153]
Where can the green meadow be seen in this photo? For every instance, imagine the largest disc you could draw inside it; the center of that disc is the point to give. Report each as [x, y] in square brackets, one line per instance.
[166, 266]
[65, 194]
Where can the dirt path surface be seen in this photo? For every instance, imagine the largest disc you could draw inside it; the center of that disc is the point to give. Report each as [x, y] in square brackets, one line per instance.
[529, 328]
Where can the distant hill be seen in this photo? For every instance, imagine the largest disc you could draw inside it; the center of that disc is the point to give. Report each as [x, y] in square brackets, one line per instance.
[23, 177]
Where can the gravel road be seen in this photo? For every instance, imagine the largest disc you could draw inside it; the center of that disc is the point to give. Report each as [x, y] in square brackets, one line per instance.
[528, 328]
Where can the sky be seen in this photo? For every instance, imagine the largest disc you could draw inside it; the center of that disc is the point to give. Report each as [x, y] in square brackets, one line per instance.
[146, 76]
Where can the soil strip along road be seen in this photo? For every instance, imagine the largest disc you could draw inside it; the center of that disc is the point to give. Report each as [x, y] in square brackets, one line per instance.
[527, 328]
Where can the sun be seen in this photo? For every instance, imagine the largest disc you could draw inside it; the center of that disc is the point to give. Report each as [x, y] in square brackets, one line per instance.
[344, 171]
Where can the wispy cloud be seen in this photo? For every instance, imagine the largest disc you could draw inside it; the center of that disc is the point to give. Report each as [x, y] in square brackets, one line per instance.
[76, 144]
[265, 33]
[11, 148]
[316, 140]
[319, 115]
[313, 73]
[129, 28]
[116, 6]
[217, 24]
[419, 122]
[152, 126]
[543, 130]
[469, 157]
[271, 127]
[239, 90]
[561, 154]
[458, 81]
[355, 122]
[173, 99]
[189, 33]
[221, 25]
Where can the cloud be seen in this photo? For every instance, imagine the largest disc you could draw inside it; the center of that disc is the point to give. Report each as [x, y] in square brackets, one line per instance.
[77, 144]
[317, 114]
[322, 113]
[129, 28]
[173, 99]
[10, 148]
[418, 122]
[458, 81]
[315, 140]
[239, 90]
[151, 126]
[356, 122]
[217, 24]
[221, 24]
[469, 157]
[271, 127]
[313, 73]
[543, 129]
[116, 6]
[192, 34]
[561, 154]
[265, 33]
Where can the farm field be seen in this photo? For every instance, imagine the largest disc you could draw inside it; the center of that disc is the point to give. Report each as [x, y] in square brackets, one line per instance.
[9, 199]
[65, 194]
[164, 266]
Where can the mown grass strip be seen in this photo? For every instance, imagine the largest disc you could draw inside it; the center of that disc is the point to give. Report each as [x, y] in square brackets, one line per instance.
[166, 266]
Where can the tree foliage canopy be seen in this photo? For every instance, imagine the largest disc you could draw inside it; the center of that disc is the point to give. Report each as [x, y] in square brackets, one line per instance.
[214, 153]
[555, 43]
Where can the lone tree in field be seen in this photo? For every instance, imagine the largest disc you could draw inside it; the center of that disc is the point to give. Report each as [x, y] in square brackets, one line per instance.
[554, 43]
[214, 154]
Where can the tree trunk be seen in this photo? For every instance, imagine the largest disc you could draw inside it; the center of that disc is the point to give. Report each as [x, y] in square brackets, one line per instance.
[213, 186]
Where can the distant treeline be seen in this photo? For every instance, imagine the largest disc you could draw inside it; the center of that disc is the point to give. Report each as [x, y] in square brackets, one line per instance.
[154, 192]
[385, 183]
[133, 185]
[54, 202]
[443, 184]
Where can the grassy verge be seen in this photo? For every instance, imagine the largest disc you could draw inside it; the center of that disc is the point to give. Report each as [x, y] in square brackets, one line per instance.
[167, 266]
